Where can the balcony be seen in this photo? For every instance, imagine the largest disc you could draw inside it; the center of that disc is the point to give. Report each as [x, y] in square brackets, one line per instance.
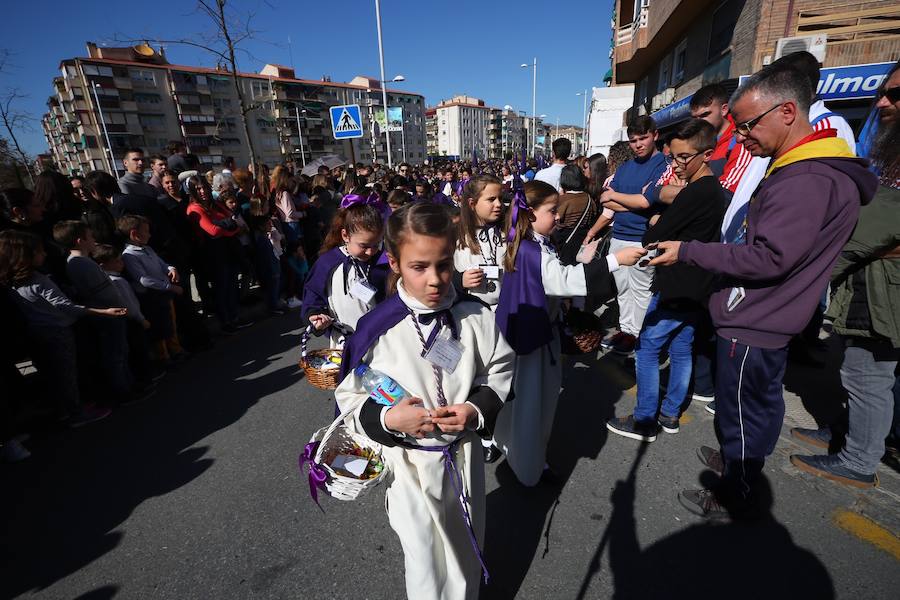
[123, 83]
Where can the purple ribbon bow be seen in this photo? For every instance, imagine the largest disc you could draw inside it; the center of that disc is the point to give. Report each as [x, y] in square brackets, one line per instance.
[518, 204]
[317, 475]
[372, 200]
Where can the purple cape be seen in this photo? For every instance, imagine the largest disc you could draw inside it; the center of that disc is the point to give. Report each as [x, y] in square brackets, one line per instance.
[315, 288]
[522, 309]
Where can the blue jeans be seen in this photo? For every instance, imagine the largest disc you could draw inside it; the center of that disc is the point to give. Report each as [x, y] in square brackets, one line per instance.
[663, 326]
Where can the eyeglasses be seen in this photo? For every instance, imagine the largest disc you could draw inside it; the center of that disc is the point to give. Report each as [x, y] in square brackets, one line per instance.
[684, 160]
[745, 127]
[892, 94]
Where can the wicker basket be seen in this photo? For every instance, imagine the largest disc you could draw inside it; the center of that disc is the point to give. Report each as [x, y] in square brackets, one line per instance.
[584, 330]
[336, 439]
[324, 379]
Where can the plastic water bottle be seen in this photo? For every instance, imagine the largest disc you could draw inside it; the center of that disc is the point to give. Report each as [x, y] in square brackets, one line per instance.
[382, 389]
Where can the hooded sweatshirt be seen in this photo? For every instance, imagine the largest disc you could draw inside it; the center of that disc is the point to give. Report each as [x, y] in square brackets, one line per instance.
[800, 217]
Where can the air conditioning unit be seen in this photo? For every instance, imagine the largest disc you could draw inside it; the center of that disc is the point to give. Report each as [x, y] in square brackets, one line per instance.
[814, 44]
[668, 96]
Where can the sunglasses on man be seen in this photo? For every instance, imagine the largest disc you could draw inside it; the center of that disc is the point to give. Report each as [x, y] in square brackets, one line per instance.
[892, 94]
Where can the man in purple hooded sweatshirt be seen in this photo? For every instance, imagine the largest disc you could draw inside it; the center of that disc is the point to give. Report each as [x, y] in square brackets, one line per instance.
[771, 279]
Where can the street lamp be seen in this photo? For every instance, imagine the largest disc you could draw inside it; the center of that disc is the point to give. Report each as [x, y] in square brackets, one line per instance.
[112, 159]
[398, 78]
[300, 134]
[533, 99]
[583, 119]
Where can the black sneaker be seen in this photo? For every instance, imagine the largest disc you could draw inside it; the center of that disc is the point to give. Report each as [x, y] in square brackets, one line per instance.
[628, 427]
[711, 407]
[243, 324]
[491, 454]
[831, 467]
[669, 424]
[820, 438]
[711, 458]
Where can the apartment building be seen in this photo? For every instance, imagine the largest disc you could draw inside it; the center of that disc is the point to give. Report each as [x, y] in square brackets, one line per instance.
[116, 98]
[670, 48]
[461, 127]
[506, 133]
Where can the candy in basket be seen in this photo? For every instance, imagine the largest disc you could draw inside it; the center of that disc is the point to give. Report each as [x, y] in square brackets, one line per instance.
[321, 367]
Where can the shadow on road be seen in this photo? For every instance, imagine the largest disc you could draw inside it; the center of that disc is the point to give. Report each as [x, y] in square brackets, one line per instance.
[63, 506]
[516, 515]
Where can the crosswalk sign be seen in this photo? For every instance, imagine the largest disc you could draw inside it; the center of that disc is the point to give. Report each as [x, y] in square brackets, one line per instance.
[346, 122]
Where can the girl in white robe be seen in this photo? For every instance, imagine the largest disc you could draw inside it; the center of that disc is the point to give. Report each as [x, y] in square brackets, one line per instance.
[349, 277]
[528, 311]
[436, 496]
[481, 244]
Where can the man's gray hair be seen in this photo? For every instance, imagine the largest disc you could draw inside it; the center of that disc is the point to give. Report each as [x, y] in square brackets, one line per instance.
[778, 83]
[222, 181]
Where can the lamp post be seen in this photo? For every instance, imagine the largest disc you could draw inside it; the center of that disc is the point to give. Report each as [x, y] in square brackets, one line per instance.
[533, 100]
[387, 135]
[403, 137]
[300, 135]
[387, 123]
[112, 159]
[583, 120]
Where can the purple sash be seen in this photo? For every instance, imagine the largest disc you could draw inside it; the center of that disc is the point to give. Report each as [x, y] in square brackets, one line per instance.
[522, 308]
[315, 288]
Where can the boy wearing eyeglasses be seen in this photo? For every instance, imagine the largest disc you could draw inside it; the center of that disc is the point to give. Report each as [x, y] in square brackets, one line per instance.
[679, 291]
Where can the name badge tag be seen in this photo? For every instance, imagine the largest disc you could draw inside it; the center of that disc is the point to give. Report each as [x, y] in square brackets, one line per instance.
[490, 271]
[445, 352]
[362, 291]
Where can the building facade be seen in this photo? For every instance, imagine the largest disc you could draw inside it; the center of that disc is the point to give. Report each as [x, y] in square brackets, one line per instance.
[670, 48]
[147, 102]
[506, 133]
[461, 127]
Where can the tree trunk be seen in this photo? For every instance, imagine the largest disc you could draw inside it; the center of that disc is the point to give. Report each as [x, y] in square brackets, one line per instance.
[18, 149]
[220, 4]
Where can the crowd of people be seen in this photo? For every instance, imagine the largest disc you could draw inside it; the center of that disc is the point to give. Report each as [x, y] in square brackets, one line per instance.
[722, 244]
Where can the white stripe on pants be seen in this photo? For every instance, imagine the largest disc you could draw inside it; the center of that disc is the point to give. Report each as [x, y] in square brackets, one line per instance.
[633, 285]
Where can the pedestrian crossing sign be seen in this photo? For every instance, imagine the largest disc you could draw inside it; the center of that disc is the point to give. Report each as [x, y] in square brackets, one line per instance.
[346, 122]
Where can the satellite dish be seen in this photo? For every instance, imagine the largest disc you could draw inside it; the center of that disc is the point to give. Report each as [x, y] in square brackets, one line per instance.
[144, 50]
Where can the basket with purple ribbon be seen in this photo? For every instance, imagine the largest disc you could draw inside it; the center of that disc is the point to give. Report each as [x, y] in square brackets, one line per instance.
[342, 463]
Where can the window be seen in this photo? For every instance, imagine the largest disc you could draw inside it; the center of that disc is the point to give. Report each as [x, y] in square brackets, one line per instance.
[222, 103]
[145, 98]
[259, 89]
[143, 77]
[197, 119]
[201, 79]
[97, 70]
[219, 84]
[642, 91]
[114, 118]
[152, 122]
[724, 20]
[679, 60]
[98, 165]
[665, 69]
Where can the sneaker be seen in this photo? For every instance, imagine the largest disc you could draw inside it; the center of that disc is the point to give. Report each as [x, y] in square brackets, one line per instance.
[628, 427]
[625, 344]
[611, 339]
[712, 459]
[820, 438]
[88, 414]
[669, 424]
[704, 503]
[711, 407]
[13, 451]
[243, 324]
[831, 467]
[294, 303]
[702, 398]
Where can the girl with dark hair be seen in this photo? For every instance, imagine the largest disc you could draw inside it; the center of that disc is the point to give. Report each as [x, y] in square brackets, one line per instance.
[54, 191]
[350, 276]
[533, 285]
[447, 353]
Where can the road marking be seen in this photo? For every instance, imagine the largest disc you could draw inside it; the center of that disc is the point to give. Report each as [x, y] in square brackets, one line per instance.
[868, 531]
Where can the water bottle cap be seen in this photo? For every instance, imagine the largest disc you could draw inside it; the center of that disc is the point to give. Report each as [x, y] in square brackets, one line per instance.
[361, 370]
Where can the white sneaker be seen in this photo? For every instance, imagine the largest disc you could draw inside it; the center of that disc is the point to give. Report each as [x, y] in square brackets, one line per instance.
[13, 451]
[294, 303]
[702, 398]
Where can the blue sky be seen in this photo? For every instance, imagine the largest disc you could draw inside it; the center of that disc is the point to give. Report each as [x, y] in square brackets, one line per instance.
[442, 48]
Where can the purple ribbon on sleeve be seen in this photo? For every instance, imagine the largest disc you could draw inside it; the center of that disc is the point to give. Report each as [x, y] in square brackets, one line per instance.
[317, 475]
[518, 204]
[373, 200]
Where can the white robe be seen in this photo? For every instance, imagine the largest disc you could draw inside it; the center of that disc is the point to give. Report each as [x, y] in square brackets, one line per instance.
[464, 259]
[347, 308]
[524, 425]
[421, 503]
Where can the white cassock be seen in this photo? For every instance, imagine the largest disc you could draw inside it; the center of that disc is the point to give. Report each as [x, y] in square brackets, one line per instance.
[493, 249]
[524, 425]
[343, 304]
[421, 503]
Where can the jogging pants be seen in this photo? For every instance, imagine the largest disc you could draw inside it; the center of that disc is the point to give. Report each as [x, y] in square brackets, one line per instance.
[749, 410]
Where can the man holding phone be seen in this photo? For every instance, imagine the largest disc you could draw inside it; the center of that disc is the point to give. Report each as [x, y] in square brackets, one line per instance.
[771, 276]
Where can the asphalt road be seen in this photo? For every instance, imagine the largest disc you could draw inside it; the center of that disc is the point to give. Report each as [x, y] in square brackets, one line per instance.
[196, 494]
